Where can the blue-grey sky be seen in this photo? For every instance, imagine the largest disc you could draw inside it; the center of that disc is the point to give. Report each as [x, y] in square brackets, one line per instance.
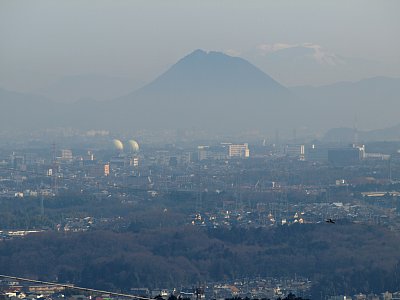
[43, 40]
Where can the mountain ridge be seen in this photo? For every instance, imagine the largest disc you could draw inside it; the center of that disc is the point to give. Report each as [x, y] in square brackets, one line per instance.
[201, 67]
[215, 92]
[73, 88]
[207, 90]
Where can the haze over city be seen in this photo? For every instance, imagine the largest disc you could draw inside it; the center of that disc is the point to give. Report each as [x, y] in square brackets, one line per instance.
[137, 40]
[199, 150]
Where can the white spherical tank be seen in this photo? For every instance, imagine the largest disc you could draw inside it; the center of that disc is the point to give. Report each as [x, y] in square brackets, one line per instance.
[118, 144]
[134, 146]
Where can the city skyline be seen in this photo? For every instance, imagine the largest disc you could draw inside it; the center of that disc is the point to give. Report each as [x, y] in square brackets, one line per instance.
[199, 150]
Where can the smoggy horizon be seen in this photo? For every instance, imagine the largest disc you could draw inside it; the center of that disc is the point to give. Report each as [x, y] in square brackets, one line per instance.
[311, 43]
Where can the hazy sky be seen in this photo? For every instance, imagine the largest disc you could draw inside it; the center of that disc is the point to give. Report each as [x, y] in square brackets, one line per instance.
[41, 41]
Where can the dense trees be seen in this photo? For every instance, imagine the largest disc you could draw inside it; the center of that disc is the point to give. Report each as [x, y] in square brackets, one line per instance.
[346, 258]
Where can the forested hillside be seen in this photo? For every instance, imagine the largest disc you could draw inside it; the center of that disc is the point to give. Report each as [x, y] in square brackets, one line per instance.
[343, 257]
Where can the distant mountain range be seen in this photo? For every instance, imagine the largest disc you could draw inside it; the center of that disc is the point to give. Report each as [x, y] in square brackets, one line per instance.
[215, 92]
[311, 63]
[370, 103]
[70, 89]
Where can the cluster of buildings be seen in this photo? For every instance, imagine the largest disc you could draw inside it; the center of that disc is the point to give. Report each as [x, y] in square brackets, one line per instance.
[259, 185]
[383, 296]
[249, 186]
[260, 288]
[256, 288]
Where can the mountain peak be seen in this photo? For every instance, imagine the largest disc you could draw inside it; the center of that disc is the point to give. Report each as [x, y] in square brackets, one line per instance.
[204, 53]
[214, 70]
[197, 52]
[202, 87]
[202, 56]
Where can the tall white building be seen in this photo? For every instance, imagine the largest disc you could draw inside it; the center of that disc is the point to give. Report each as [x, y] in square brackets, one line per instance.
[66, 154]
[295, 151]
[239, 150]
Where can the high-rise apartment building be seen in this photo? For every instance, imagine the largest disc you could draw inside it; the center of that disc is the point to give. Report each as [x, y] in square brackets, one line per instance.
[239, 150]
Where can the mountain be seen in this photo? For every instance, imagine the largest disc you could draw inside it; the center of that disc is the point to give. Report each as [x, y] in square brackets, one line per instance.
[302, 64]
[209, 91]
[21, 110]
[70, 89]
[215, 71]
[369, 103]
[204, 90]
[218, 93]
[27, 112]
